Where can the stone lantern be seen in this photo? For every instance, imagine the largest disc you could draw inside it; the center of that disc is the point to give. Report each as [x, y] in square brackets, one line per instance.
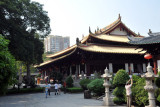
[82, 75]
[106, 100]
[150, 85]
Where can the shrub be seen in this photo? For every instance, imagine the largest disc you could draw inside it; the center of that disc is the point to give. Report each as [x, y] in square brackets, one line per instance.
[74, 89]
[157, 80]
[135, 79]
[120, 78]
[119, 82]
[120, 94]
[32, 83]
[157, 95]
[96, 86]
[119, 91]
[69, 81]
[158, 99]
[118, 100]
[84, 83]
[140, 95]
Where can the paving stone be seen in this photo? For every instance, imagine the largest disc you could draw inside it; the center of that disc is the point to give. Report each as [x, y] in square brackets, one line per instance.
[39, 100]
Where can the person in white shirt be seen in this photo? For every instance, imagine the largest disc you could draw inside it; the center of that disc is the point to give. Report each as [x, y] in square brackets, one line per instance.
[129, 92]
[56, 88]
[59, 88]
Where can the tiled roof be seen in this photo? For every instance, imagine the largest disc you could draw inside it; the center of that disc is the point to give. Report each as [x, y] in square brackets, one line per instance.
[53, 60]
[111, 49]
[146, 40]
[110, 27]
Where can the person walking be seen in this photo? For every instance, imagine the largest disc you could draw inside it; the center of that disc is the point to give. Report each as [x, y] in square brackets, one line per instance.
[46, 89]
[64, 86]
[129, 92]
[59, 88]
[56, 88]
[49, 89]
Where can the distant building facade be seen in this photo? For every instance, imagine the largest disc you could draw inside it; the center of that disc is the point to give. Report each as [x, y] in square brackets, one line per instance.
[54, 43]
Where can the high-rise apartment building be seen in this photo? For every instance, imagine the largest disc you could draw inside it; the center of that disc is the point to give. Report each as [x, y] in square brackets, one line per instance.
[54, 43]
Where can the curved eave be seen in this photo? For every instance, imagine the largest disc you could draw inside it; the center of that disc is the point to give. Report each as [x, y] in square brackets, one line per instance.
[54, 60]
[62, 52]
[67, 49]
[112, 49]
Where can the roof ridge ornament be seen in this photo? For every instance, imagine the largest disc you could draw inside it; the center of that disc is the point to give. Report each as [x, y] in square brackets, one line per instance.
[100, 31]
[150, 31]
[97, 28]
[90, 30]
[77, 41]
[119, 16]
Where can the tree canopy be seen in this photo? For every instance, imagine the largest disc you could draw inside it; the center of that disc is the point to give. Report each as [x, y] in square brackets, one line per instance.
[20, 22]
[7, 65]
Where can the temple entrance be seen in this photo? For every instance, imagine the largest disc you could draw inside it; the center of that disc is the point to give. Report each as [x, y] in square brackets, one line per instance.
[116, 67]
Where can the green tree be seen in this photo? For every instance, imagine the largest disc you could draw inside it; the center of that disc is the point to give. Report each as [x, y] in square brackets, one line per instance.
[69, 81]
[119, 81]
[140, 95]
[7, 66]
[84, 83]
[20, 22]
[96, 86]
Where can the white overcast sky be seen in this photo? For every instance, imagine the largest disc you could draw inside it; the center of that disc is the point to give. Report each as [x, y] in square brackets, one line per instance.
[73, 17]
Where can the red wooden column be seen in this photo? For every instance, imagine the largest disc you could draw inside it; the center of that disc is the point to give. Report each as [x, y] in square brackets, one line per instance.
[155, 64]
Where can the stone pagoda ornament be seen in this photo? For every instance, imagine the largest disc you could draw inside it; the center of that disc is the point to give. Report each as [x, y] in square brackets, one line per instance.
[150, 85]
[106, 100]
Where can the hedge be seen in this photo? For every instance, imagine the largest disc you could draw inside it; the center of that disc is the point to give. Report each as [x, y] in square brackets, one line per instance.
[84, 83]
[74, 90]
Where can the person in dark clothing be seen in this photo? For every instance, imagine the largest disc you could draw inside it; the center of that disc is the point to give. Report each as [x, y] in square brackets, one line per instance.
[64, 85]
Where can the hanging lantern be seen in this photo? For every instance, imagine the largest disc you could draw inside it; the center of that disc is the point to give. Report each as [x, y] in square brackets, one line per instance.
[148, 56]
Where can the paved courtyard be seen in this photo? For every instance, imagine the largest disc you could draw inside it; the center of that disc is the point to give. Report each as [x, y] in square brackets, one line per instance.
[39, 100]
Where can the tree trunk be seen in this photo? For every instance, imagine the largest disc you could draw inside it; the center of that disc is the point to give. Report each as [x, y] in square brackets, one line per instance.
[28, 74]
